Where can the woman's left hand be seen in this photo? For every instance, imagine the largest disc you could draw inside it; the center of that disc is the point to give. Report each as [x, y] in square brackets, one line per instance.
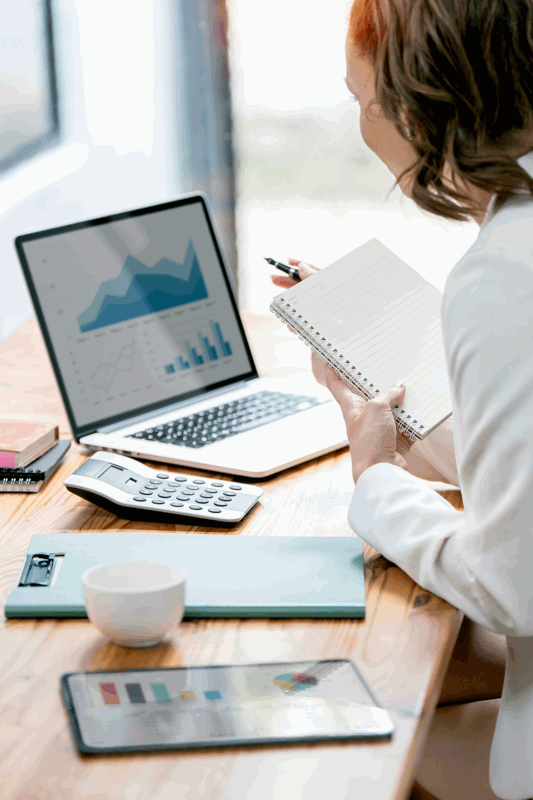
[370, 424]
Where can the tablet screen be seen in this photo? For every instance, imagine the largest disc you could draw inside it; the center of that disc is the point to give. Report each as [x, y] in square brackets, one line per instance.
[221, 705]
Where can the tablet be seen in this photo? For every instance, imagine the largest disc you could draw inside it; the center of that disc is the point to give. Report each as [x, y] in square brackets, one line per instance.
[176, 708]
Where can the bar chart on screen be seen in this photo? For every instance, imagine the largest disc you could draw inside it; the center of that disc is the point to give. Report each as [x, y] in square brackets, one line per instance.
[200, 349]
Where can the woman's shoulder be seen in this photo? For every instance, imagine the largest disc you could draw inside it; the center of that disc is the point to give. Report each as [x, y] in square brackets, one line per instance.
[503, 251]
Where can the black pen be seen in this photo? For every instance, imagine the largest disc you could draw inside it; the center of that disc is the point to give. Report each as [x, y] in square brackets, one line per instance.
[292, 271]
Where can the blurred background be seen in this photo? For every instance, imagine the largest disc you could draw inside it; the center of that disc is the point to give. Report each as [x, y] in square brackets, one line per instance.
[116, 104]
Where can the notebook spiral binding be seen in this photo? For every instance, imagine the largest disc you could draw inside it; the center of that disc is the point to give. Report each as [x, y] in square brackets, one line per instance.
[330, 356]
[16, 483]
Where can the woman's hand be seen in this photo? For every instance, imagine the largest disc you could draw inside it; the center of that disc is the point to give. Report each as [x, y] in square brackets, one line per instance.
[285, 282]
[370, 425]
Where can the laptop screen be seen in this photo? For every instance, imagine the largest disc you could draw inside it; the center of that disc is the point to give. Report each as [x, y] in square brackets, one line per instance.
[137, 311]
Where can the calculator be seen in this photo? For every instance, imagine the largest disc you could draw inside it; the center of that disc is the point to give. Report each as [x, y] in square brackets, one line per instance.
[131, 490]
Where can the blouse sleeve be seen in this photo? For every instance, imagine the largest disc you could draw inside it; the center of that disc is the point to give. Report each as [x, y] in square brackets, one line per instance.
[480, 561]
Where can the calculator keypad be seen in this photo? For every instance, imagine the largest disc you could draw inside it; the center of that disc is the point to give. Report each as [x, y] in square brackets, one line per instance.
[194, 494]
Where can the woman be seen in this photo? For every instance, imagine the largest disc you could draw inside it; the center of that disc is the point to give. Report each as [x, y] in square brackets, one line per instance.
[446, 95]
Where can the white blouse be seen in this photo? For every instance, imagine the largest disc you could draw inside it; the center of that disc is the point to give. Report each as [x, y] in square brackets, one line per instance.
[480, 561]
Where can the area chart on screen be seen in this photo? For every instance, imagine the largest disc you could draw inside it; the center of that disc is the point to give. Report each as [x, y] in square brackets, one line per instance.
[139, 290]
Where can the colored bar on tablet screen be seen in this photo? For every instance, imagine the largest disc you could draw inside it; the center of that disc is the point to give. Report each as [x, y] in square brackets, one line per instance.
[135, 693]
[109, 694]
[161, 693]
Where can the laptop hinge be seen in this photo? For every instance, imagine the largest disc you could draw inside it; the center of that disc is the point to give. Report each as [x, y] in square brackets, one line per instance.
[125, 423]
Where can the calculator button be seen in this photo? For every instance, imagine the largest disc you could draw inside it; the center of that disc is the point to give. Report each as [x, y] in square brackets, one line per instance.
[162, 475]
[151, 486]
[172, 485]
[164, 494]
[180, 478]
[140, 499]
[218, 503]
[169, 488]
[183, 497]
[207, 496]
[191, 486]
[158, 502]
[177, 505]
[229, 494]
[187, 492]
[203, 502]
[211, 491]
[234, 486]
[216, 483]
[147, 492]
[198, 480]
[155, 483]
[214, 510]
[196, 508]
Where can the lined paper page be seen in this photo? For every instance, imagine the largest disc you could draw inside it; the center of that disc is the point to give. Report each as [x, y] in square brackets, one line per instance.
[385, 318]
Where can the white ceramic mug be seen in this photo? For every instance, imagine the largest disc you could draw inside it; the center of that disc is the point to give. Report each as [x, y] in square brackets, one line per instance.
[134, 604]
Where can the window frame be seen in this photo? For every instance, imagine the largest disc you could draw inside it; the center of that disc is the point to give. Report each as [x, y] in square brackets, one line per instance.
[51, 135]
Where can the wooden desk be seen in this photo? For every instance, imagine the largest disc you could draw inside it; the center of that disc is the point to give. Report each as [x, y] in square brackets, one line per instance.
[402, 647]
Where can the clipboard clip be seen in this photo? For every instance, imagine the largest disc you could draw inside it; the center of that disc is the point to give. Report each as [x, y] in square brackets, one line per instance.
[38, 569]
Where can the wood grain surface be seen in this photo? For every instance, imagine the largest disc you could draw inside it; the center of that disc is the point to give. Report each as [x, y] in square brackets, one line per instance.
[402, 646]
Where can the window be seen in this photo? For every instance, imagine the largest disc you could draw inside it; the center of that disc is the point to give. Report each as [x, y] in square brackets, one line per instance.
[28, 108]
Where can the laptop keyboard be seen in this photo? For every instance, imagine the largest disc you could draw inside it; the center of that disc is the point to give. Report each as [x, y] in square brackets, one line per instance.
[226, 420]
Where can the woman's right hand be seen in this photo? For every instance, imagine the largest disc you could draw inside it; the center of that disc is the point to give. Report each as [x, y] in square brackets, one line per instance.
[305, 270]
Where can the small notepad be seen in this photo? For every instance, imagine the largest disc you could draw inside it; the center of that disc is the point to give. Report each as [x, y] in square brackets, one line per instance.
[374, 320]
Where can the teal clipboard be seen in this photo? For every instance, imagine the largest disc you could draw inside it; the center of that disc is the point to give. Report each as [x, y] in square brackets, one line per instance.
[227, 576]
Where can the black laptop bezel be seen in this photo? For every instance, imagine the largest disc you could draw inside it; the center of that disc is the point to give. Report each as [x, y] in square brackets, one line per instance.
[79, 431]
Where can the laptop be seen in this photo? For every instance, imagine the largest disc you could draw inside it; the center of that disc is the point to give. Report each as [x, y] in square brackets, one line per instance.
[138, 311]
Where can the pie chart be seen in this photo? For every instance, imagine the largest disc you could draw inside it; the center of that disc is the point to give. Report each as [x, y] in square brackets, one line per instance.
[294, 681]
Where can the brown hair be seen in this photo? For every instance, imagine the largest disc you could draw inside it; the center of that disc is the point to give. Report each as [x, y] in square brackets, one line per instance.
[456, 79]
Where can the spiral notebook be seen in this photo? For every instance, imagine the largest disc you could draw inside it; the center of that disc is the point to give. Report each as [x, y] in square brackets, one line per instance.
[375, 320]
[32, 477]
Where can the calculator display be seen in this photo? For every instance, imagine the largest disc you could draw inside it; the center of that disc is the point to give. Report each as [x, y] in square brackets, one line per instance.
[125, 479]
[210, 706]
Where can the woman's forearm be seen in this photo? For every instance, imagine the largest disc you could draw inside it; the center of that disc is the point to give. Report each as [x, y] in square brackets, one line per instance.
[433, 458]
